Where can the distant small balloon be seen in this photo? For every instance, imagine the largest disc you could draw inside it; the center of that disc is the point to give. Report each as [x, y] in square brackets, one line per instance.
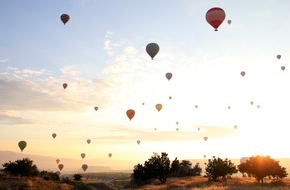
[60, 166]
[205, 138]
[54, 135]
[177, 129]
[258, 106]
[204, 155]
[89, 141]
[168, 75]
[229, 21]
[22, 145]
[278, 56]
[83, 155]
[243, 73]
[64, 18]
[252, 102]
[84, 167]
[110, 155]
[158, 106]
[198, 129]
[235, 126]
[96, 108]
[170, 97]
[138, 142]
[64, 85]
[57, 161]
[130, 113]
[196, 106]
[283, 68]
[176, 122]
[229, 107]
[143, 103]
[152, 49]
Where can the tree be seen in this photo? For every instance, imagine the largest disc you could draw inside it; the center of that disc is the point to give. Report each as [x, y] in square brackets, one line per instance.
[261, 167]
[24, 167]
[218, 169]
[175, 168]
[157, 167]
[47, 175]
[77, 177]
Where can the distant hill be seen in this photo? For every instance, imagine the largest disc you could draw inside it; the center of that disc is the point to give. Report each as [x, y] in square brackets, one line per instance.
[70, 165]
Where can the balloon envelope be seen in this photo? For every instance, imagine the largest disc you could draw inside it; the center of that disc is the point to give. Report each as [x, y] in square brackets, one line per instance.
[283, 68]
[64, 85]
[84, 167]
[152, 49]
[89, 141]
[215, 16]
[168, 76]
[83, 155]
[243, 73]
[278, 56]
[60, 166]
[22, 145]
[96, 108]
[205, 138]
[54, 135]
[64, 18]
[158, 107]
[110, 155]
[229, 21]
[138, 141]
[57, 161]
[130, 113]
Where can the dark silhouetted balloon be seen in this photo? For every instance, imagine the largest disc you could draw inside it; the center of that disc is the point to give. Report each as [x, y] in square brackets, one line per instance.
[229, 21]
[96, 108]
[110, 155]
[138, 142]
[60, 166]
[89, 141]
[83, 155]
[64, 18]
[243, 73]
[215, 16]
[205, 138]
[168, 75]
[278, 56]
[283, 68]
[57, 161]
[152, 49]
[130, 113]
[64, 85]
[22, 145]
[84, 167]
[53, 135]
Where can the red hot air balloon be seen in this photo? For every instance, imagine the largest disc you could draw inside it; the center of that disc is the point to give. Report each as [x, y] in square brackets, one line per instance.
[215, 16]
[64, 18]
[130, 113]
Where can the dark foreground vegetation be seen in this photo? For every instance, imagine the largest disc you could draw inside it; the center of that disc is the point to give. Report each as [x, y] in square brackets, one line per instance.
[158, 172]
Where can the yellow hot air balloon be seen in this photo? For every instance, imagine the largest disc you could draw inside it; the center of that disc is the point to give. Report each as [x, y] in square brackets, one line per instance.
[22, 145]
[158, 107]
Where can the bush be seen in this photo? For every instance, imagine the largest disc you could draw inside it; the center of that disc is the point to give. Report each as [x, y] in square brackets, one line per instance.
[49, 175]
[218, 169]
[24, 167]
[77, 177]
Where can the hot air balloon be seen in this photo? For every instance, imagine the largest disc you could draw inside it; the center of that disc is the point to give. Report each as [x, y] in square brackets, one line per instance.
[243, 73]
[60, 166]
[235, 126]
[168, 76]
[176, 122]
[152, 49]
[84, 167]
[64, 85]
[130, 113]
[215, 16]
[252, 102]
[196, 106]
[198, 129]
[283, 68]
[83, 155]
[22, 145]
[170, 97]
[110, 155]
[138, 142]
[278, 56]
[204, 156]
[96, 108]
[158, 107]
[143, 103]
[229, 107]
[177, 129]
[64, 18]
[258, 106]
[205, 138]
[155, 129]
[53, 135]
[57, 161]
[229, 21]
[89, 141]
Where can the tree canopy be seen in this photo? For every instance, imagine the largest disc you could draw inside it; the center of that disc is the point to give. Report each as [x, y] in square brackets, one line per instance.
[24, 167]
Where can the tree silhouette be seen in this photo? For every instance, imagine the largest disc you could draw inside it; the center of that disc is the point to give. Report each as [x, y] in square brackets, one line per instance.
[24, 167]
[262, 166]
[218, 169]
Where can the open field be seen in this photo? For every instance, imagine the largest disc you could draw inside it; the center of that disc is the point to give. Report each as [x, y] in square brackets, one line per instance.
[121, 181]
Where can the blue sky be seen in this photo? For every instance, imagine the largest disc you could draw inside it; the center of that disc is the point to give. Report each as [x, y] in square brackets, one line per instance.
[101, 54]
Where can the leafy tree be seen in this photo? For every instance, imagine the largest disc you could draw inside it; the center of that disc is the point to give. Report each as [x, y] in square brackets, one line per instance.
[261, 167]
[157, 167]
[218, 169]
[49, 175]
[24, 167]
[77, 177]
[175, 168]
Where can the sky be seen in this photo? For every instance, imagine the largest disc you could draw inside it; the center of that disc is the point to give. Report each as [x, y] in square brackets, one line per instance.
[100, 53]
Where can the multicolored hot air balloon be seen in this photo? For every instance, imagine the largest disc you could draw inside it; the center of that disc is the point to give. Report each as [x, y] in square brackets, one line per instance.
[215, 17]
[168, 76]
[64, 18]
[158, 107]
[130, 113]
[152, 49]
[22, 145]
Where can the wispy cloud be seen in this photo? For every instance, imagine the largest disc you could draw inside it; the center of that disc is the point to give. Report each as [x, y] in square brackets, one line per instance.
[12, 120]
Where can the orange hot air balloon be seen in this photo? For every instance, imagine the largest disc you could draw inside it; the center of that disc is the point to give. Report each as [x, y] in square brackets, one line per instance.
[64, 18]
[168, 75]
[158, 107]
[215, 16]
[152, 49]
[130, 113]
[64, 85]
